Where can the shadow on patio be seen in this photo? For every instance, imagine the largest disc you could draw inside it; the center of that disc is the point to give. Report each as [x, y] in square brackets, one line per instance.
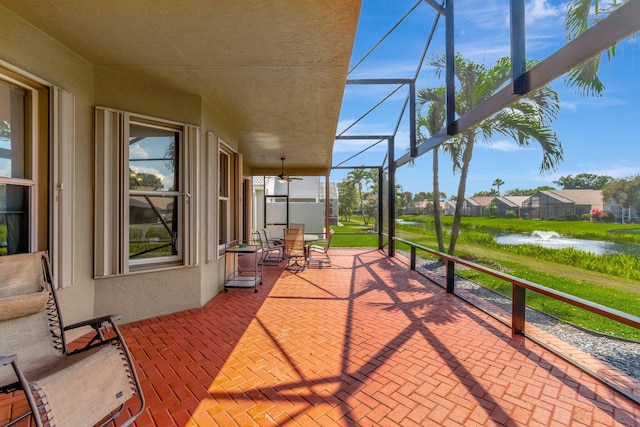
[364, 342]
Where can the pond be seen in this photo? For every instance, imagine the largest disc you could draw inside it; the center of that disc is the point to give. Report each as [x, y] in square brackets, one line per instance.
[552, 240]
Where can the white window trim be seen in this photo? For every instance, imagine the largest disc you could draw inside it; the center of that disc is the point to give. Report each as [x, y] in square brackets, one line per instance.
[112, 192]
[61, 179]
[212, 197]
[223, 148]
[63, 186]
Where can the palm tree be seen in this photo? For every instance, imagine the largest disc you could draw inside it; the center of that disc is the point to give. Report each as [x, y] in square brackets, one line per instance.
[355, 177]
[497, 183]
[433, 121]
[525, 120]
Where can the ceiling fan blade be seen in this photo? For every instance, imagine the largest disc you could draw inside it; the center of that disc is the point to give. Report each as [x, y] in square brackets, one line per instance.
[285, 177]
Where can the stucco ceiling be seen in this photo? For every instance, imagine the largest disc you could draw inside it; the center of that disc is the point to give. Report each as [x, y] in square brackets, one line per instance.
[274, 69]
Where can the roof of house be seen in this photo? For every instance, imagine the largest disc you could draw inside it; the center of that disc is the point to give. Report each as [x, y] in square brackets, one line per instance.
[481, 200]
[513, 201]
[579, 197]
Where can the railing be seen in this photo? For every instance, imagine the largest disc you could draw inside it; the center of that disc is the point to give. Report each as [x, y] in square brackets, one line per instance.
[518, 304]
[519, 287]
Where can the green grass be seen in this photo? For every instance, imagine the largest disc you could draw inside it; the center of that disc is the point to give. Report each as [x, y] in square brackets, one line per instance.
[613, 298]
[517, 261]
[3, 238]
[354, 234]
[622, 233]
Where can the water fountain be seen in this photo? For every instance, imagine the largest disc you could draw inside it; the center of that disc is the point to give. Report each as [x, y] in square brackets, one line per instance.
[545, 235]
[553, 240]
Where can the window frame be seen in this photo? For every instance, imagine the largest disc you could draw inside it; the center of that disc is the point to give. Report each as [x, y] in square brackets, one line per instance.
[52, 182]
[225, 225]
[146, 263]
[31, 148]
[112, 129]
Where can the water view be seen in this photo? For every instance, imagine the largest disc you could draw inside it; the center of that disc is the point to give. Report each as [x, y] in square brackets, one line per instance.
[553, 240]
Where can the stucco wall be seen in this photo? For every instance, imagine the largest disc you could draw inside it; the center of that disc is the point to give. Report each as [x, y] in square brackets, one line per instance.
[212, 277]
[140, 295]
[28, 49]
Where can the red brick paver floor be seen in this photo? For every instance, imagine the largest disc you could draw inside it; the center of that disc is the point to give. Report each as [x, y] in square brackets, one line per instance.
[366, 342]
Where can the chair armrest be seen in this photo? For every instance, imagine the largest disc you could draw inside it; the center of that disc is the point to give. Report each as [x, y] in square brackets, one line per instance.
[6, 360]
[95, 323]
[21, 384]
[106, 331]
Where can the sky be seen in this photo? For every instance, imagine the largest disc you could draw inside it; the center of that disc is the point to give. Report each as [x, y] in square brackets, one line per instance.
[599, 135]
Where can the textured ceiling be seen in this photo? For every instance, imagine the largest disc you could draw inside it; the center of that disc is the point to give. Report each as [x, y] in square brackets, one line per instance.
[275, 70]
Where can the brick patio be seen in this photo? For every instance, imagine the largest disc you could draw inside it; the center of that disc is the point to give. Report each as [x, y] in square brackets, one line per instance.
[366, 342]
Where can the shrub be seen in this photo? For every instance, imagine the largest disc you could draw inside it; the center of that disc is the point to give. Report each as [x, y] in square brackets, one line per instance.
[510, 214]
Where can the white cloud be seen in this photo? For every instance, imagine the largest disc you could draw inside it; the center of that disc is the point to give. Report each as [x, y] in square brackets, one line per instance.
[502, 145]
[537, 10]
[137, 152]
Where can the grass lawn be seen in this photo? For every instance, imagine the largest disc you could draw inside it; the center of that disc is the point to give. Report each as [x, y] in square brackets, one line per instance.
[606, 289]
[354, 234]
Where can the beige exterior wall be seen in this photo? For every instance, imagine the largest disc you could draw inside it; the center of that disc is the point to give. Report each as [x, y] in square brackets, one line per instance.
[140, 295]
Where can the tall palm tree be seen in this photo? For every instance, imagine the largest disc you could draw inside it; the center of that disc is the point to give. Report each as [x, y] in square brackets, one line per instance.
[497, 183]
[525, 120]
[433, 121]
[356, 177]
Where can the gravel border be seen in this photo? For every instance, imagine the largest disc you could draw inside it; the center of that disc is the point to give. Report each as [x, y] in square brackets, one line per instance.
[621, 354]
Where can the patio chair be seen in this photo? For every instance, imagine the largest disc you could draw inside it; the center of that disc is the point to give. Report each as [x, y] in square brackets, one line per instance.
[82, 387]
[297, 225]
[269, 247]
[319, 254]
[294, 249]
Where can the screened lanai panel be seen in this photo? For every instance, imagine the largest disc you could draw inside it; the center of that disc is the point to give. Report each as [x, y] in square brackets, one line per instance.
[384, 222]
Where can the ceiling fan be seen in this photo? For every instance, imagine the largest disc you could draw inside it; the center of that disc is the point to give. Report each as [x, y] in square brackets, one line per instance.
[282, 178]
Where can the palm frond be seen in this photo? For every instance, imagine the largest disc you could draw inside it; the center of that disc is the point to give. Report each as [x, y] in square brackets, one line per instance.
[585, 78]
[577, 21]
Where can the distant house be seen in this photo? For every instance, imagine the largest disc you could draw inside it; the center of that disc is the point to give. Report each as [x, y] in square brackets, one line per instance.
[475, 206]
[509, 203]
[561, 204]
[449, 207]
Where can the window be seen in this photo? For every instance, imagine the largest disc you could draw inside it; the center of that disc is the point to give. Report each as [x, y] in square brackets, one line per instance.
[154, 201]
[16, 177]
[145, 210]
[224, 162]
[23, 181]
[230, 211]
[37, 140]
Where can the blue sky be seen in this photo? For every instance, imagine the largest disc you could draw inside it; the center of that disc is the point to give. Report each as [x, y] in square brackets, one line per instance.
[599, 135]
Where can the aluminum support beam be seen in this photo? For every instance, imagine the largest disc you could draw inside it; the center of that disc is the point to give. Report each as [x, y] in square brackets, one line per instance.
[450, 77]
[618, 25]
[518, 48]
[413, 148]
[363, 136]
[379, 81]
[392, 197]
[436, 6]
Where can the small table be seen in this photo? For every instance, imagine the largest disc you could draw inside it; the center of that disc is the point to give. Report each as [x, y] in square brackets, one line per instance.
[233, 277]
[310, 238]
